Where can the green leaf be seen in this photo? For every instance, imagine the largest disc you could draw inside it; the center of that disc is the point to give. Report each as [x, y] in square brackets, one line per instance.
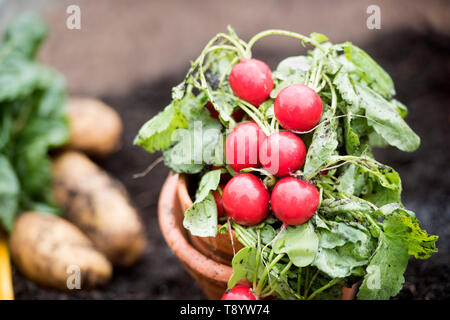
[33, 120]
[201, 218]
[292, 70]
[337, 207]
[156, 134]
[343, 249]
[323, 145]
[351, 181]
[400, 107]
[384, 277]
[407, 228]
[346, 90]
[375, 76]
[195, 147]
[25, 34]
[339, 262]
[18, 78]
[300, 243]
[386, 121]
[386, 185]
[319, 37]
[9, 193]
[339, 233]
[209, 182]
[243, 266]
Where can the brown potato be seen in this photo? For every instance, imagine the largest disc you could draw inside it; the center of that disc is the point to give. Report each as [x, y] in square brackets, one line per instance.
[45, 247]
[99, 206]
[95, 127]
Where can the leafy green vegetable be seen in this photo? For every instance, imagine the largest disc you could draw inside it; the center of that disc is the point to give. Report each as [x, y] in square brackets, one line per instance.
[384, 277]
[33, 120]
[156, 134]
[370, 71]
[201, 218]
[323, 146]
[361, 231]
[386, 121]
[9, 192]
[243, 266]
[408, 229]
[300, 243]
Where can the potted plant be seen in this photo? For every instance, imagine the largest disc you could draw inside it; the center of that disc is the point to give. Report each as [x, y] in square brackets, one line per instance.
[289, 194]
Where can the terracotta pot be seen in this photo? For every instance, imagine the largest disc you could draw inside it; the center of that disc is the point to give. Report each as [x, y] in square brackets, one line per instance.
[206, 259]
[218, 248]
[211, 275]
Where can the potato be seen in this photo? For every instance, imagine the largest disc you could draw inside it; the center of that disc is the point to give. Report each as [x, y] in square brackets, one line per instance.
[44, 247]
[99, 206]
[95, 127]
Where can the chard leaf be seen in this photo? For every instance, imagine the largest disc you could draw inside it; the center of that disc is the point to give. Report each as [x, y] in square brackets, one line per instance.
[386, 121]
[156, 134]
[25, 34]
[300, 243]
[18, 78]
[9, 193]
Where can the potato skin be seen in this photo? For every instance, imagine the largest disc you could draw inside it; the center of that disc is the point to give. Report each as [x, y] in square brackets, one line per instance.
[95, 127]
[99, 206]
[43, 246]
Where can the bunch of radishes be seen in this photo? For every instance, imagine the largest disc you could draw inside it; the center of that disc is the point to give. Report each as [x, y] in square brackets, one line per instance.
[336, 210]
[245, 198]
[297, 107]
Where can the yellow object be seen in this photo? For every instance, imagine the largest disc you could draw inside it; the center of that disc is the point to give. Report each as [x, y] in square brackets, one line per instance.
[6, 288]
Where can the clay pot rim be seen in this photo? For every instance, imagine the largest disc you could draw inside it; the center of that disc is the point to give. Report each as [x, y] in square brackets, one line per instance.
[183, 193]
[175, 238]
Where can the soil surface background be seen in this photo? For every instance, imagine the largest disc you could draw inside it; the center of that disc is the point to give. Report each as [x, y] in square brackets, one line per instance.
[419, 62]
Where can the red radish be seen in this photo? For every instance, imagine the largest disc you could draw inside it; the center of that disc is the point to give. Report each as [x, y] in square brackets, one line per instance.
[212, 111]
[239, 292]
[242, 146]
[237, 115]
[298, 107]
[251, 80]
[282, 152]
[246, 199]
[219, 203]
[294, 201]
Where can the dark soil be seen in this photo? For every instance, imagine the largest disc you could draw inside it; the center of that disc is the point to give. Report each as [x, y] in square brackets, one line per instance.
[419, 63]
